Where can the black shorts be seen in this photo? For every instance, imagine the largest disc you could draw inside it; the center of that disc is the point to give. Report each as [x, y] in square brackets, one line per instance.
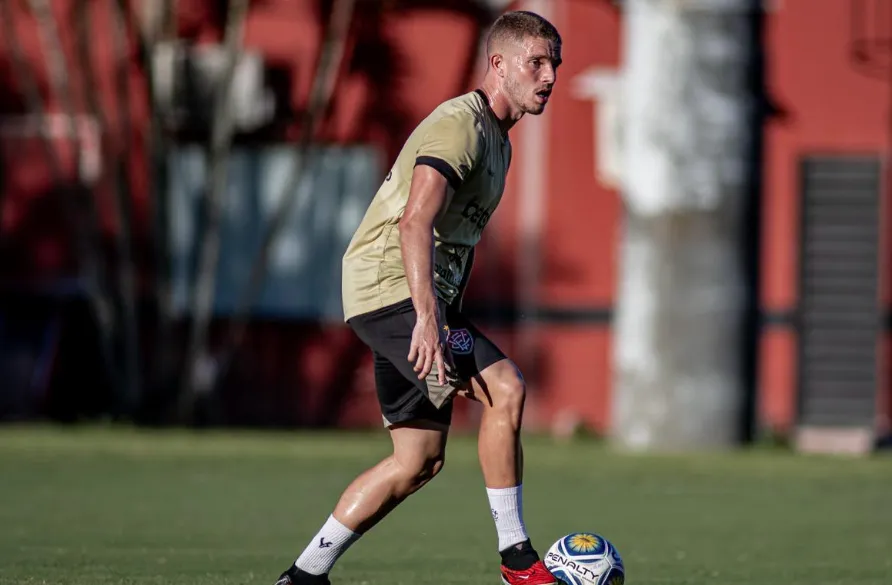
[403, 397]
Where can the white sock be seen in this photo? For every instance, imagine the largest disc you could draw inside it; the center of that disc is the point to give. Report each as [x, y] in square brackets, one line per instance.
[507, 511]
[326, 547]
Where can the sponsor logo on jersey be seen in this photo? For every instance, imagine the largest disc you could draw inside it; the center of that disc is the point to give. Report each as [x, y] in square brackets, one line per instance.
[476, 214]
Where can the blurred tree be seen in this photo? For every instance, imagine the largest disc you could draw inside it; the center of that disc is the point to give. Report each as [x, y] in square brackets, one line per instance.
[160, 381]
[324, 81]
[155, 22]
[116, 151]
[197, 376]
[79, 205]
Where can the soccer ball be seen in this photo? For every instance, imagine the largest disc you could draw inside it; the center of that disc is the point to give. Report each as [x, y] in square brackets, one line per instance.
[585, 558]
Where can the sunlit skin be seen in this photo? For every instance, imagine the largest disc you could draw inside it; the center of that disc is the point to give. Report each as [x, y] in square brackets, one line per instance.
[520, 78]
[518, 81]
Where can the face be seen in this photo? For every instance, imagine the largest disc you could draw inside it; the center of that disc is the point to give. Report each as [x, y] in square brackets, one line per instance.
[530, 73]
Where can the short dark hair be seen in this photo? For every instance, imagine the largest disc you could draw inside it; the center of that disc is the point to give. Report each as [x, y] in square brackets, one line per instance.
[517, 26]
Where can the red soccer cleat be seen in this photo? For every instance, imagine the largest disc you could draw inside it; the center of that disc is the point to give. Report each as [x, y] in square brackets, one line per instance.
[537, 574]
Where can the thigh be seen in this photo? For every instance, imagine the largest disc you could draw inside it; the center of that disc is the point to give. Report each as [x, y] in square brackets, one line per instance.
[472, 352]
[403, 397]
[419, 444]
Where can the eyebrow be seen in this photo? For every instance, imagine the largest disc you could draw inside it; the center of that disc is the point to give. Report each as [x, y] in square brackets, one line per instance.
[555, 60]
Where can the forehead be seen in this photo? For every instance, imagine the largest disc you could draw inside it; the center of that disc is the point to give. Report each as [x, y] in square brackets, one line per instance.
[538, 46]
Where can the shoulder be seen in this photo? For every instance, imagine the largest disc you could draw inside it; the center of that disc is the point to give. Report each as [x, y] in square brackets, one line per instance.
[471, 103]
[465, 112]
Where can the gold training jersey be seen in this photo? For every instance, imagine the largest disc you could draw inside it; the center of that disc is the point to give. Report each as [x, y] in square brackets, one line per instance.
[461, 138]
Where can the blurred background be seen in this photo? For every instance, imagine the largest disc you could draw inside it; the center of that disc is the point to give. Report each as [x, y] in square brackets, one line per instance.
[693, 249]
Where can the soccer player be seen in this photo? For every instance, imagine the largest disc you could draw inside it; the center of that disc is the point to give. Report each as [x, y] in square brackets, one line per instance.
[404, 274]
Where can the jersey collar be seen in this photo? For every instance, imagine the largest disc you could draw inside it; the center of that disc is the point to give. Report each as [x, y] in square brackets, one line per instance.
[482, 94]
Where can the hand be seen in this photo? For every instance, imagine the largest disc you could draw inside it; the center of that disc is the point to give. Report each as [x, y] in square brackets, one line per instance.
[428, 348]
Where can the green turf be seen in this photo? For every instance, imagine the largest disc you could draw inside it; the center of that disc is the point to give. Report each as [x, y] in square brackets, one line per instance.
[101, 506]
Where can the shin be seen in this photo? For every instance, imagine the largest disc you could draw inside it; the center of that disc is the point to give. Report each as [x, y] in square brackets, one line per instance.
[501, 390]
[418, 455]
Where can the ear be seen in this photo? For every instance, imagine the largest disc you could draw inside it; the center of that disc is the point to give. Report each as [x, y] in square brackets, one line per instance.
[497, 62]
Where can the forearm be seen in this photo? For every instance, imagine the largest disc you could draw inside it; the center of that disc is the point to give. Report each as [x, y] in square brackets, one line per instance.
[417, 247]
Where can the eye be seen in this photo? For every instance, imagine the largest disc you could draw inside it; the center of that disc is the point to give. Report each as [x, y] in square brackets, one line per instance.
[536, 63]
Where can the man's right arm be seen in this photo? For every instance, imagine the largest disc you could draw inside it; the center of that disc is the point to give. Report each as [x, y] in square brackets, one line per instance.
[446, 156]
[429, 195]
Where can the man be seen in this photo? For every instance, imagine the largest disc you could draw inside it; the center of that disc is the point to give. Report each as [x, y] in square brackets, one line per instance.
[404, 274]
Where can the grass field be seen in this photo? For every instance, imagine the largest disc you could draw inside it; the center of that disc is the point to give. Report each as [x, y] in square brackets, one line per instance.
[101, 506]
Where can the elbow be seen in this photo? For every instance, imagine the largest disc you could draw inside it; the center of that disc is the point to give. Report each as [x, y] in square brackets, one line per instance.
[408, 235]
[411, 227]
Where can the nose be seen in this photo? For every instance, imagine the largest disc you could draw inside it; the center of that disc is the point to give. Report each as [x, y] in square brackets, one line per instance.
[548, 74]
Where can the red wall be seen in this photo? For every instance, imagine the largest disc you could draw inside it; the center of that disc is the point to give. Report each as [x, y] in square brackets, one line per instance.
[827, 105]
[581, 226]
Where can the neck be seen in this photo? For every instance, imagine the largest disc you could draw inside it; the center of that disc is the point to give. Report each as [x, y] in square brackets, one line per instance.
[501, 105]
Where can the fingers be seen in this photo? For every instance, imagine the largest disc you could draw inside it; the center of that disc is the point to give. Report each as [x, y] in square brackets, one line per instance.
[426, 358]
[441, 367]
[424, 361]
[415, 355]
[426, 350]
[419, 356]
[418, 366]
[428, 364]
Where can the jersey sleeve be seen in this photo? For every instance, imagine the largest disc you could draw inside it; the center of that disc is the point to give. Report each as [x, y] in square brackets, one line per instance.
[452, 146]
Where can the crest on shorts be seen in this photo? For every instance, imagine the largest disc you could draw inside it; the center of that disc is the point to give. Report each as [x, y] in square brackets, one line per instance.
[461, 341]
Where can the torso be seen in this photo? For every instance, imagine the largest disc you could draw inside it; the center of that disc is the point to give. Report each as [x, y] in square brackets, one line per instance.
[373, 270]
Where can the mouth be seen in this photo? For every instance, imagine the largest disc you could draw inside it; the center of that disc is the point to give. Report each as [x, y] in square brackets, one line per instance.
[542, 96]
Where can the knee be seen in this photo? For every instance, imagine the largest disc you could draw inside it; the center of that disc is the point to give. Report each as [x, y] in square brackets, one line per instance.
[430, 467]
[508, 391]
[418, 471]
